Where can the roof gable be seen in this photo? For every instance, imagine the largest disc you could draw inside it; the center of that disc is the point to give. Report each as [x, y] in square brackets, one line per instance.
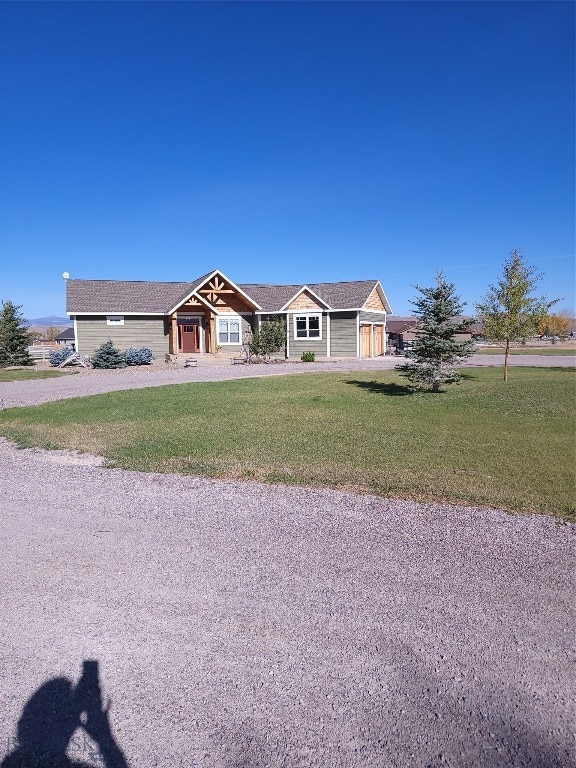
[305, 299]
[348, 295]
[377, 300]
[212, 289]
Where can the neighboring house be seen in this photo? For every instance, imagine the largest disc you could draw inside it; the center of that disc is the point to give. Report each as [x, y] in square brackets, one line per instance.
[402, 331]
[213, 313]
[66, 338]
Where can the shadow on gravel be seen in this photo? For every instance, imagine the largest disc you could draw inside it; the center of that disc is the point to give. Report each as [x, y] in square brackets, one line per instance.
[379, 388]
[49, 721]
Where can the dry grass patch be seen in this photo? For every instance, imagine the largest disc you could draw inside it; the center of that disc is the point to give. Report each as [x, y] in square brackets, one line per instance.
[22, 374]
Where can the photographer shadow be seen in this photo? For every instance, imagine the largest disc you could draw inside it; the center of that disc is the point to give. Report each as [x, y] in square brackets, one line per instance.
[52, 715]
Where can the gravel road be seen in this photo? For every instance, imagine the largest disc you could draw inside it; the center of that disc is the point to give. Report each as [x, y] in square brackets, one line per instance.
[244, 625]
[34, 392]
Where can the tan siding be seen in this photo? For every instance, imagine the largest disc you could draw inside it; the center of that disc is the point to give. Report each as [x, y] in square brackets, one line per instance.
[305, 301]
[234, 304]
[343, 334]
[137, 331]
[374, 301]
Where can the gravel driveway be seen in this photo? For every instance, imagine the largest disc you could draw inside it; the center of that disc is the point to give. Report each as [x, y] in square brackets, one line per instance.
[241, 625]
[34, 392]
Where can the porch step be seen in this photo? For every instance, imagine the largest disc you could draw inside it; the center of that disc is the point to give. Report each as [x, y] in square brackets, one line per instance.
[202, 361]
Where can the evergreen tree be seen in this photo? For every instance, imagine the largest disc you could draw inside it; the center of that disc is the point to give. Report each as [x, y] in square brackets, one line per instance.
[435, 355]
[107, 356]
[508, 312]
[15, 337]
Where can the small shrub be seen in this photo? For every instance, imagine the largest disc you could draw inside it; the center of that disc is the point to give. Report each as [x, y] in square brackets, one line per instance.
[107, 356]
[138, 356]
[269, 339]
[58, 356]
[308, 357]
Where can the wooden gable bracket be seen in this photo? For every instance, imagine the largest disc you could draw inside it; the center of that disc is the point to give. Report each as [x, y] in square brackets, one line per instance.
[193, 302]
[215, 290]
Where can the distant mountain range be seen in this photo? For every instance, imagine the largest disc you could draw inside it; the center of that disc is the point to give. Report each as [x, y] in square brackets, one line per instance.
[53, 320]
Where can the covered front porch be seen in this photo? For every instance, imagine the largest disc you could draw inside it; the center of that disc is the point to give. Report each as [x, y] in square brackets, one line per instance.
[193, 333]
[213, 318]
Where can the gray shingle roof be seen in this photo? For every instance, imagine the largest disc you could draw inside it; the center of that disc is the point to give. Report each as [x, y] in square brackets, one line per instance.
[397, 324]
[120, 296]
[67, 335]
[143, 296]
[346, 295]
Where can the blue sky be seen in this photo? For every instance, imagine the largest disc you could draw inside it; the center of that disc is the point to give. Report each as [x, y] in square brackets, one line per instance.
[285, 142]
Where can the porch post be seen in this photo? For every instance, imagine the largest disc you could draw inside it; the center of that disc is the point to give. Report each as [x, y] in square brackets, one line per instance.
[174, 334]
[212, 333]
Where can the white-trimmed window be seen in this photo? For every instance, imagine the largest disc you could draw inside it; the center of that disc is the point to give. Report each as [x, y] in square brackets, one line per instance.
[307, 326]
[114, 319]
[229, 330]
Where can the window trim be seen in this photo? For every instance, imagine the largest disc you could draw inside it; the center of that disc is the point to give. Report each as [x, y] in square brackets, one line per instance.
[228, 318]
[307, 316]
[114, 319]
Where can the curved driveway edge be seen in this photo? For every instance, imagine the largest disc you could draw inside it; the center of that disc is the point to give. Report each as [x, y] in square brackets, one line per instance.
[241, 624]
[36, 391]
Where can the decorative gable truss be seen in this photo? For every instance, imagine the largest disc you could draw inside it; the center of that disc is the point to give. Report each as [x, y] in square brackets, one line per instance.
[305, 299]
[219, 294]
[215, 291]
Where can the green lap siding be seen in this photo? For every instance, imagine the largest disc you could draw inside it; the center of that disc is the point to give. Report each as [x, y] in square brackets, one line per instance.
[343, 326]
[298, 346]
[373, 317]
[234, 350]
[137, 331]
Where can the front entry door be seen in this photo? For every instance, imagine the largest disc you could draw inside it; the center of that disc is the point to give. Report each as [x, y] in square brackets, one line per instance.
[190, 338]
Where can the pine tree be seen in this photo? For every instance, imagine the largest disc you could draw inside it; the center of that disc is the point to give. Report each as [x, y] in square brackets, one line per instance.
[107, 356]
[508, 312]
[435, 355]
[15, 337]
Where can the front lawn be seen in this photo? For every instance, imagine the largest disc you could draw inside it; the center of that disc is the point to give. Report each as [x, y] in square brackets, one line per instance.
[22, 374]
[485, 442]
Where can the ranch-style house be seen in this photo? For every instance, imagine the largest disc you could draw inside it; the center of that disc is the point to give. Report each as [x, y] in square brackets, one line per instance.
[212, 314]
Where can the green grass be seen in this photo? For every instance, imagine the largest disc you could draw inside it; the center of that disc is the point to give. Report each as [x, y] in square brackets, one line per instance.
[23, 374]
[528, 351]
[485, 442]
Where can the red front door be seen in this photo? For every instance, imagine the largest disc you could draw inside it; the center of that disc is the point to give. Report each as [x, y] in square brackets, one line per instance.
[190, 338]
